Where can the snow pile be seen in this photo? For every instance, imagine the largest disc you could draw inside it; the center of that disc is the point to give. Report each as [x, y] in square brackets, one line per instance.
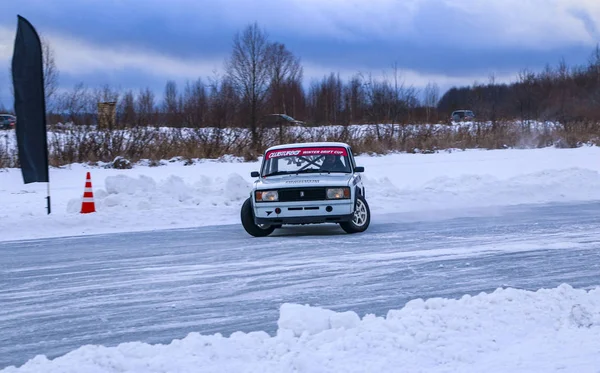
[472, 190]
[224, 195]
[123, 192]
[507, 330]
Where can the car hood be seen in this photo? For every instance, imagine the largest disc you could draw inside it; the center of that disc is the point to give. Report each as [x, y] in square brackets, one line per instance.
[306, 180]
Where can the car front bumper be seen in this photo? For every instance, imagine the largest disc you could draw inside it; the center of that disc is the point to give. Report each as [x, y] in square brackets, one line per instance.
[304, 212]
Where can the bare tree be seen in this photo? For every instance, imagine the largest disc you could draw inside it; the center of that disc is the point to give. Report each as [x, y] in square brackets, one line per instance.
[355, 98]
[195, 104]
[380, 96]
[146, 108]
[398, 106]
[431, 96]
[249, 71]
[127, 110]
[171, 105]
[76, 105]
[285, 69]
[50, 72]
[326, 100]
[106, 94]
[524, 94]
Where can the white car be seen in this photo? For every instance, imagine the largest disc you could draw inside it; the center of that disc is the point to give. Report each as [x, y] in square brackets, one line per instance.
[307, 183]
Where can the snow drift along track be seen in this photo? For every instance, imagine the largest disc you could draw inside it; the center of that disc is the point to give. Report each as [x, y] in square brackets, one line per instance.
[507, 330]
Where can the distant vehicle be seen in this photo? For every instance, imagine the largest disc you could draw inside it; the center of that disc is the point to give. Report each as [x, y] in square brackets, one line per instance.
[462, 115]
[307, 183]
[7, 121]
[276, 120]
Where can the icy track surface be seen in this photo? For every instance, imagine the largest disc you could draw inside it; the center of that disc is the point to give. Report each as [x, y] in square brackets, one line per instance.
[60, 294]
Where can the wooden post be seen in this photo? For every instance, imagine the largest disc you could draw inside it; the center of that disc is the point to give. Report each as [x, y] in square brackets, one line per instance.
[107, 114]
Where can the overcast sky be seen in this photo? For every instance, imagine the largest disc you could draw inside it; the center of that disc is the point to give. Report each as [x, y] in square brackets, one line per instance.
[140, 43]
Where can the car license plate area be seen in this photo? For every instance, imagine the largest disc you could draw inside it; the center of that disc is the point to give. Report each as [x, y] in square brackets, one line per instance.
[302, 194]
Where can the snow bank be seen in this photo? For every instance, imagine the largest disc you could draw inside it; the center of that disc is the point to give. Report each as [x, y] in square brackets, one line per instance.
[508, 330]
[476, 191]
[123, 192]
[176, 195]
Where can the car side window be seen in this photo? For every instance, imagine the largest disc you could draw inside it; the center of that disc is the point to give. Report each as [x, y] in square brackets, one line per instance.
[351, 156]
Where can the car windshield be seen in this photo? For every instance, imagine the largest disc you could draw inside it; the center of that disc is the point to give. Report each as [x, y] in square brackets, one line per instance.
[306, 160]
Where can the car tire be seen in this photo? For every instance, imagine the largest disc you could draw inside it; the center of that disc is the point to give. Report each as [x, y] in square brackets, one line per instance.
[361, 219]
[248, 223]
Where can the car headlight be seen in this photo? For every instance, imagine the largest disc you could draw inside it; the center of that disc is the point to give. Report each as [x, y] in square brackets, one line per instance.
[267, 196]
[338, 193]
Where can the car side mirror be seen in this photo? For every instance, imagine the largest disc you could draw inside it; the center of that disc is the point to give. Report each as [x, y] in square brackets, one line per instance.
[359, 169]
[255, 174]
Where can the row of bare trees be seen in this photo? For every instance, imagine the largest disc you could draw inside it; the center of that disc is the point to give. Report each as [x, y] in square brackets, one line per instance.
[154, 145]
[219, 101]
[562, 93]
[262, 76]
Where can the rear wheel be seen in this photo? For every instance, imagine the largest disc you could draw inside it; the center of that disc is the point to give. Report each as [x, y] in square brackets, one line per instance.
[361, 218]
[247, 216]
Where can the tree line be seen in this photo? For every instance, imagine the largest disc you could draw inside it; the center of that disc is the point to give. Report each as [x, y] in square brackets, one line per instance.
[557, 93]
[263, 77]
[223, 115]
[260, 77]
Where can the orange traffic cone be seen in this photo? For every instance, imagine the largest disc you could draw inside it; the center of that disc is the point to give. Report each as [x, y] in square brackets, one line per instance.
[88, 204]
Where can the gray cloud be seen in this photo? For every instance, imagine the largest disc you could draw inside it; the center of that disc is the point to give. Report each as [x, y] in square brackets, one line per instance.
[588, 21]
[441, 37]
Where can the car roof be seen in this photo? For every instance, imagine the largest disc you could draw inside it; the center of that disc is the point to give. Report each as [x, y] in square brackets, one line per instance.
[309, 145]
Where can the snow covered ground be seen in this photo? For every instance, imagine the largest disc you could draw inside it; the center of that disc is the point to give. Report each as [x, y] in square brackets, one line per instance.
[211, 192]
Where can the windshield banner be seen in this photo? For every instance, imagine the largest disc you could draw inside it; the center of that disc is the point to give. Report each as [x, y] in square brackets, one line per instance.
[293, 152]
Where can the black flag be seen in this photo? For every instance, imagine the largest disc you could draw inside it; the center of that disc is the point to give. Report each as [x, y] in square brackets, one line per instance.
[30, 103]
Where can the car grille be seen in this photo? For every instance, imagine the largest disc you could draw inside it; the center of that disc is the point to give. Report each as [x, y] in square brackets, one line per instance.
[302, 194]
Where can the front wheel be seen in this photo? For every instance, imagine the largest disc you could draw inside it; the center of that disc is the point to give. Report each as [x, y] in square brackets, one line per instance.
[250, 226]
[361, 218]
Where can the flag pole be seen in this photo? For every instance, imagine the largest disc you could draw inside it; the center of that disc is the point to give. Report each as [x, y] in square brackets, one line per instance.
[48, 198]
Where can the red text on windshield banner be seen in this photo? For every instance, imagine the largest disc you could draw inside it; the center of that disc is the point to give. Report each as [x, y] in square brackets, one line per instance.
[293, 152]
